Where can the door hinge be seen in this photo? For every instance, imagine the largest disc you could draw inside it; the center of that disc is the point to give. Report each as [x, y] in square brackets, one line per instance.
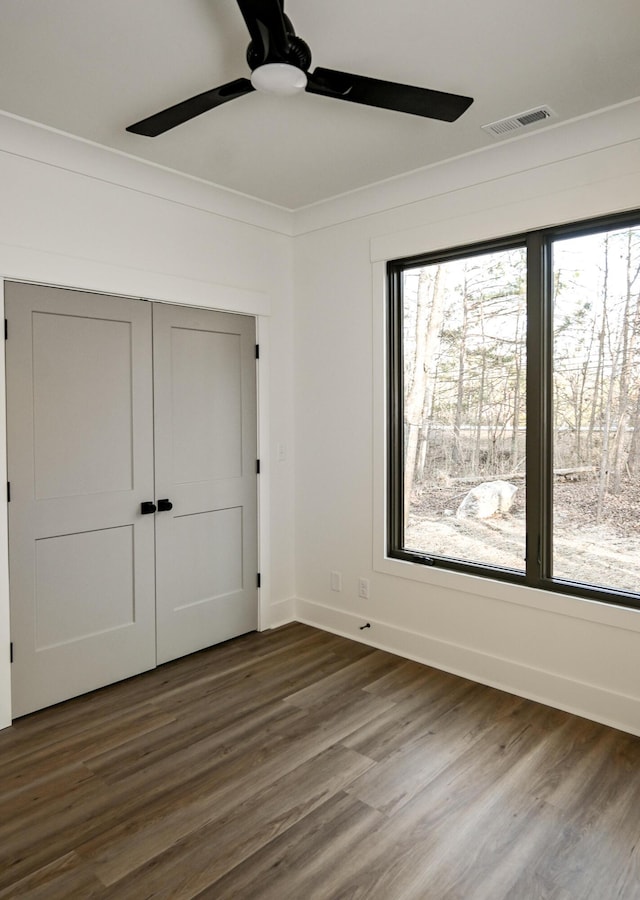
[258, 579]
[6, 329]
[11, 652]
[257, 351]
[257, 466]
[8, 492]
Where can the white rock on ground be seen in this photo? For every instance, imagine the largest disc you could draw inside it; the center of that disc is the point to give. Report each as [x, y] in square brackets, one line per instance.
[487, 499]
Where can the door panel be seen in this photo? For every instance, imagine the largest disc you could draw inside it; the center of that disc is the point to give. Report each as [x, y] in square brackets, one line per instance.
[62, 587]
[205, 426]
[81, 364]
[207, 556]
[206, 394]
[80, 458]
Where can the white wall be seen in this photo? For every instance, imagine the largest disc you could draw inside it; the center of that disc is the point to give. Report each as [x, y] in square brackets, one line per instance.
[75, 215]
[571, 653]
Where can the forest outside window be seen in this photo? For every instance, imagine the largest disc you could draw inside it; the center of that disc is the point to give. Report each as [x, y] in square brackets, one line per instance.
[514, 409]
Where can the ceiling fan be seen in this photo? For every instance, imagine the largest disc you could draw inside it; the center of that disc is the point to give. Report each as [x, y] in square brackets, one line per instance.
[279, 61]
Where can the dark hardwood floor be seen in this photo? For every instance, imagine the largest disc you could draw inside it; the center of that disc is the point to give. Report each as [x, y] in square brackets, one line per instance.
[295, 764]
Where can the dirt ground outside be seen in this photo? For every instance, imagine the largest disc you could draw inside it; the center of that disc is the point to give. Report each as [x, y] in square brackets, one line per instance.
[605, 554]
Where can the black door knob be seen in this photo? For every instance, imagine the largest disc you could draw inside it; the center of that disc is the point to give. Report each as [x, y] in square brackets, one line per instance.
[164, 505]
[147, 507]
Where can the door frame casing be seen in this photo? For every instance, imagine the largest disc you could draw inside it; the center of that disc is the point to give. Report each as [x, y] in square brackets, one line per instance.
[41, 268]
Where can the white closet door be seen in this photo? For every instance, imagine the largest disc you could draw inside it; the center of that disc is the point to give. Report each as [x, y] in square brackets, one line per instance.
[80, 458]
[205, 427]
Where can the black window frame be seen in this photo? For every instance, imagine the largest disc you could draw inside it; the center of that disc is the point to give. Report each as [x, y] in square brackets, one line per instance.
[539, 435]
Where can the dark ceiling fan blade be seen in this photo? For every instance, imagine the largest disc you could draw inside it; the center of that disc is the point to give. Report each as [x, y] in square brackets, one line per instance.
[267, 27]
[189, 109]
[387, 95]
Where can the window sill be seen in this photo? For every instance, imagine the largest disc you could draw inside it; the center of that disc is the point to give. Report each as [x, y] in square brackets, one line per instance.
[614, 616]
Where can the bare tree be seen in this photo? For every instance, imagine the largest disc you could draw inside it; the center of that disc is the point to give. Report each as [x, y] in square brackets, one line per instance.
[626, 351]
[460, 387]
[427, 334]
[603, 481]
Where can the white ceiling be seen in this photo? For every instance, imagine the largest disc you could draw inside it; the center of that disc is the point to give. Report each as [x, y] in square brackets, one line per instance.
[92, 67]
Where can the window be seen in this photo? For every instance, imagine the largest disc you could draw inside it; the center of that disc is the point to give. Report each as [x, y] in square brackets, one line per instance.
[514, 409]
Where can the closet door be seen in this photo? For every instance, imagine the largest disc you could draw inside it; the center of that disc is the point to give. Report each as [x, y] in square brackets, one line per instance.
[80, 460]
[205, 427]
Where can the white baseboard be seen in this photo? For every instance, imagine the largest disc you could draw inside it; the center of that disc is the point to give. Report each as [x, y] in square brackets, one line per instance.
[587, 700]
[281, 613]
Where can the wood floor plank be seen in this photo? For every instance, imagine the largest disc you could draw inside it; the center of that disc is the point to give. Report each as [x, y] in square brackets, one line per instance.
[301, 861]
[189, 743]
[62, 879]
[75, 721]
[352, 676]
[397, 858]
[39, 764]
[409, 679]
[217, 706]
[38, 841]
[299, 764]
[196, 861]
[526, 868]
[244, 679]
[473, 844]
[38, 797]
[235, 776]
[599, 853]
[410, 719]
[403, 773]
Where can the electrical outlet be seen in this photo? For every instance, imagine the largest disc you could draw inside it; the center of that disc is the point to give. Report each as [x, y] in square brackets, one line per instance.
[363, 588]
[336, 581]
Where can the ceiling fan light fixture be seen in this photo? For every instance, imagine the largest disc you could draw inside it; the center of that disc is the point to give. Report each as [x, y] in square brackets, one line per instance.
[279, 78]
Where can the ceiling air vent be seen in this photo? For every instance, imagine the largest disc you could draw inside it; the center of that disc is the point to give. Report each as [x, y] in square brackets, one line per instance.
[521, 120]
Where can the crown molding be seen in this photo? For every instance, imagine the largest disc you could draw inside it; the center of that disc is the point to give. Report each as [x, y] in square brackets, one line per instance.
[615, 125]
[51, 147]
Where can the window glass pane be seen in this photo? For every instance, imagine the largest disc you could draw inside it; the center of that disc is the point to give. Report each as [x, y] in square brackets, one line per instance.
[596, 386]
[464, 343]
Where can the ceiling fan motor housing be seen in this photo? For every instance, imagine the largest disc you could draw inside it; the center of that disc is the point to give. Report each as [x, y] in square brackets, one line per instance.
[298, 54]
